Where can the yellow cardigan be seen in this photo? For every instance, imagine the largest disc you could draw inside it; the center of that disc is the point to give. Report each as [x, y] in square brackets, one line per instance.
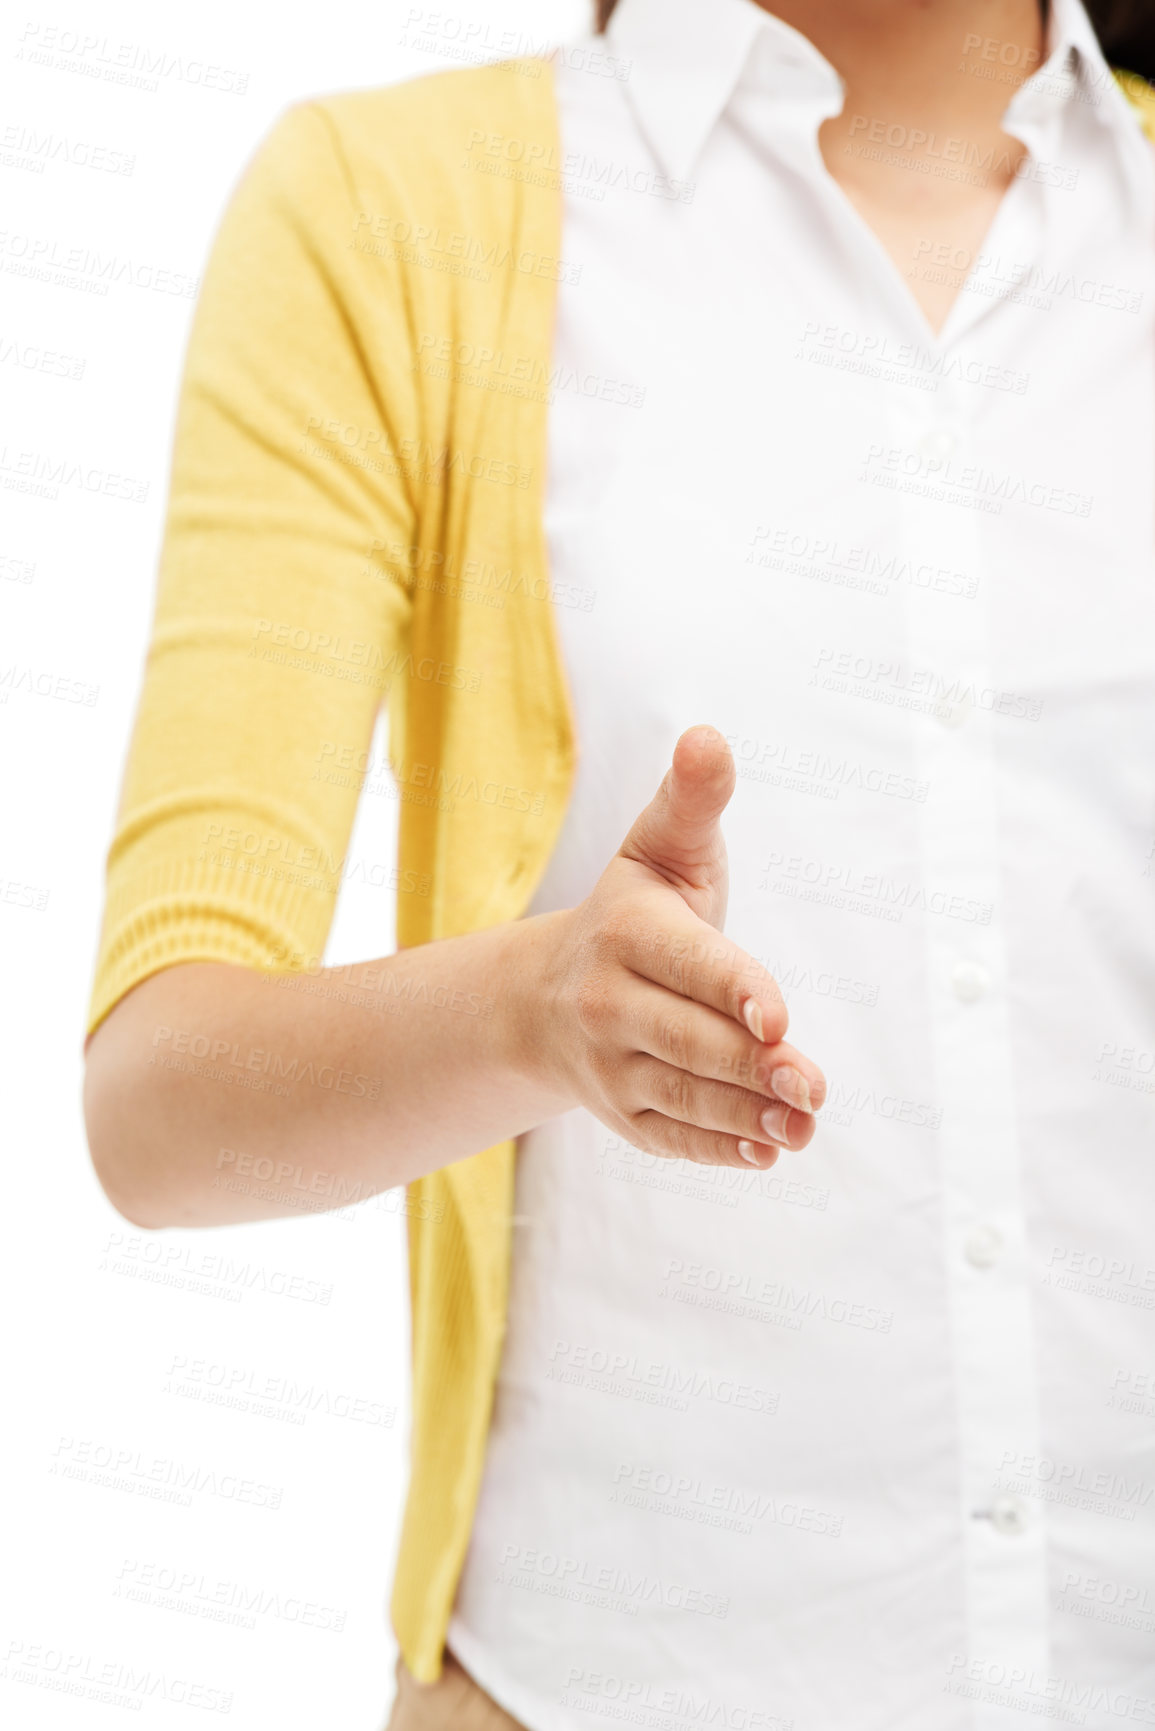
[356, 513]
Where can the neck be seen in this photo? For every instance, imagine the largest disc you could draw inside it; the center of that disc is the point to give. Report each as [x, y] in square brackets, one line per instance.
[927, 85]
[953, 64]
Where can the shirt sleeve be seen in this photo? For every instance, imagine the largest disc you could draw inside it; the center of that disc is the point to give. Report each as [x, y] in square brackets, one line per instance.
[275, 622]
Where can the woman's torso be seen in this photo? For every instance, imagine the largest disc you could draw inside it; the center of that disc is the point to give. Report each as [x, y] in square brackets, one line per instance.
[821, 1443]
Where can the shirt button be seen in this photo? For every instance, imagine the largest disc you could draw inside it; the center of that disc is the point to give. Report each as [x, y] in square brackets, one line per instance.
[983, 1246]
[937, 443]
[970, 980]
[1009, 1515]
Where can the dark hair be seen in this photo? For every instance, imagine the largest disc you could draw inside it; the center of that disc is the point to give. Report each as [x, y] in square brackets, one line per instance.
[1125, 28]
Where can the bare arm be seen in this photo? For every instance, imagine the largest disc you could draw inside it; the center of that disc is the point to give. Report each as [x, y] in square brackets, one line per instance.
[217, 1093]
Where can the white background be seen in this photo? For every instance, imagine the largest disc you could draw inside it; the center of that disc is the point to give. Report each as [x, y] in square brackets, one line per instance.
[113, 1355]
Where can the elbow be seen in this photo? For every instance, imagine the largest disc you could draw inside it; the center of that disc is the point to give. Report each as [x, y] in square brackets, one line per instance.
[126, 1206]
[110, 1122]
[125, 1195]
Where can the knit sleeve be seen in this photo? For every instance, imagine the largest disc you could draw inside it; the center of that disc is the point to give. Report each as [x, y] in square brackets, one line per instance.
[276, 622]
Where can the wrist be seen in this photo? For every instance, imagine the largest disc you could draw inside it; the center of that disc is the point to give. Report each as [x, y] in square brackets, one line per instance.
[529, 975]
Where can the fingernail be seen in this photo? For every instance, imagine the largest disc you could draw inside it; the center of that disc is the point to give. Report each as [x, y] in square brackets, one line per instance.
[792, 1086]
[756, 1156]
[752, 1016]
[773, 1121]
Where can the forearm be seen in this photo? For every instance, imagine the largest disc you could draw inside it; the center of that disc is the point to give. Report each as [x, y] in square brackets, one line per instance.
[218, 1094]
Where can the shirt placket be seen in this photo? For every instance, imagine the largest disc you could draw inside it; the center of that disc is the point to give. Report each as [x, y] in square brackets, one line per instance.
[950, 678]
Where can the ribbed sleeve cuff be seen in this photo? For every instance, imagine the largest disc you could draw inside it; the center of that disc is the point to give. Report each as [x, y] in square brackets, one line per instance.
[249, 912]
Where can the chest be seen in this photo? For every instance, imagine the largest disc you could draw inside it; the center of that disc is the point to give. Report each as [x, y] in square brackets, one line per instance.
[781, 504]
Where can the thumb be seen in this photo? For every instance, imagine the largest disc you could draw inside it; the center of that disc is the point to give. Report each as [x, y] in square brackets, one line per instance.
[678, 835]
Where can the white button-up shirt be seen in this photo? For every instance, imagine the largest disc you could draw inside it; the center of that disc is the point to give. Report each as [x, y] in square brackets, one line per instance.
[867, 1440]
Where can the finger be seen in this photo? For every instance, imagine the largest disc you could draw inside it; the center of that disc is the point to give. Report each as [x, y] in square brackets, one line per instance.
[655, 1134]
[688, 956]
[792, 1076]
[678, 835]
[716, 1105]
[704, 1042]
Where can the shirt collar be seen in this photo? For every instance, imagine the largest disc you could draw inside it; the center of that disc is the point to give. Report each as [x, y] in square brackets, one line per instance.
[1073, 66]
[688, 57]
